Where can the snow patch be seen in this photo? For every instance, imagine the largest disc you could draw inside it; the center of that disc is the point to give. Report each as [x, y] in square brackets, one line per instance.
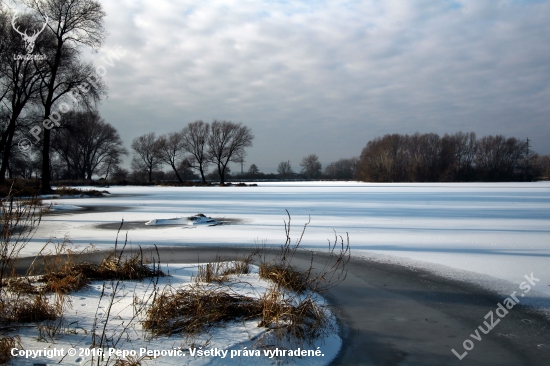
[89, 310]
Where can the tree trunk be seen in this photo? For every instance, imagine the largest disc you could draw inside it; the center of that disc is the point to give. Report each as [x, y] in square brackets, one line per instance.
[221, 173]
[46, 172]
[7, 140]
[202, 174]
[177, 174]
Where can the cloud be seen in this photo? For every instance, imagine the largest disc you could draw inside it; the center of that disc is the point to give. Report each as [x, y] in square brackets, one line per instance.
[325, 77]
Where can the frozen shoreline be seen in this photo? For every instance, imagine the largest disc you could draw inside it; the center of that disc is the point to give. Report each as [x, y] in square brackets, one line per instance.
[391, 313]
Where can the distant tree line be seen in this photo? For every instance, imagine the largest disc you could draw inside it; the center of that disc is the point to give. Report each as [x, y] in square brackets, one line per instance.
[460, 157]
[311, 169]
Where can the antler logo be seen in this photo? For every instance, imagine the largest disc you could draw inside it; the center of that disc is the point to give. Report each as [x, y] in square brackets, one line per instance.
[29, 40]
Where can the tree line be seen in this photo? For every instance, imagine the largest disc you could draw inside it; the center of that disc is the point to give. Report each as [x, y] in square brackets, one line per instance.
[460, 157]
[196, 146]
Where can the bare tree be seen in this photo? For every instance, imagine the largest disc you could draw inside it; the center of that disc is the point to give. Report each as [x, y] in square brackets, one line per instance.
[73, 24]
[171, 150]
[87, 143]
[311, 167]
[285, 170]
[111, 164]
[195, 139]
[146, 154]
[226, 143]
[21, 79]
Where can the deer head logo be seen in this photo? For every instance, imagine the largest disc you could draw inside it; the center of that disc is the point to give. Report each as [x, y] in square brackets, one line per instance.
[29, 40]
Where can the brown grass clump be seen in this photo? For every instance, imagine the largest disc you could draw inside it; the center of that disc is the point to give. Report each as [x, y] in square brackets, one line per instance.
[219, 271]
[69, 191]
[64, 274]
[129, 361]
[20, 285]
[285, 276]
[27, 308]
[304, 319]
[6, 345]
[61, 272]
[194, 310]
[65, 282]
[122, 267]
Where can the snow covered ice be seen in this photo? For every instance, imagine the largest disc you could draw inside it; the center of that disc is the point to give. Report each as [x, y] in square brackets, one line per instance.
[491, 234]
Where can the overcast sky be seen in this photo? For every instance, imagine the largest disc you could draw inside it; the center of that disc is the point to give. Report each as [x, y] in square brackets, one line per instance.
[325, 77]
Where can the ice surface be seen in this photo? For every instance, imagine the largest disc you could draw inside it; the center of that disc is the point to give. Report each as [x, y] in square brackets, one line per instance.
[490, 233]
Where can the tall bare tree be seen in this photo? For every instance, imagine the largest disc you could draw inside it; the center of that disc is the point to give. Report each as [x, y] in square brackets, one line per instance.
[226, 143]
[21, 79]
[86, 143]
[146, 154]
[171, 150]
[73, 24]
[195, 139]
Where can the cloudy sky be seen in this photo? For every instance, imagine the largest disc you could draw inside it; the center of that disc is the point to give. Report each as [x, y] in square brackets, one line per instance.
[325, 77]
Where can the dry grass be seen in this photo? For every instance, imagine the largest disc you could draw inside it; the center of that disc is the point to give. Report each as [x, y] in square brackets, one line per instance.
[6, 345]
[304, 319]
[130, 361]
[285, 276]
[65, 274]
[193, 310]
[281, 271]
[219, 271]
[20, 285]
[22, 308]
[18, 302]
[69, 191]
[18, 222]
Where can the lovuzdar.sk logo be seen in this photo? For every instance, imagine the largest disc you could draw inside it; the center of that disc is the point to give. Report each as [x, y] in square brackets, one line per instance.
[29, 40]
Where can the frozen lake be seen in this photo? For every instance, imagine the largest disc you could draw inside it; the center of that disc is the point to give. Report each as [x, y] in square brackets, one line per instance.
[490, 233]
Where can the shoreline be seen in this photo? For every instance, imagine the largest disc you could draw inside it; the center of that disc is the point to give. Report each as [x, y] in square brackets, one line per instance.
[396, 315]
